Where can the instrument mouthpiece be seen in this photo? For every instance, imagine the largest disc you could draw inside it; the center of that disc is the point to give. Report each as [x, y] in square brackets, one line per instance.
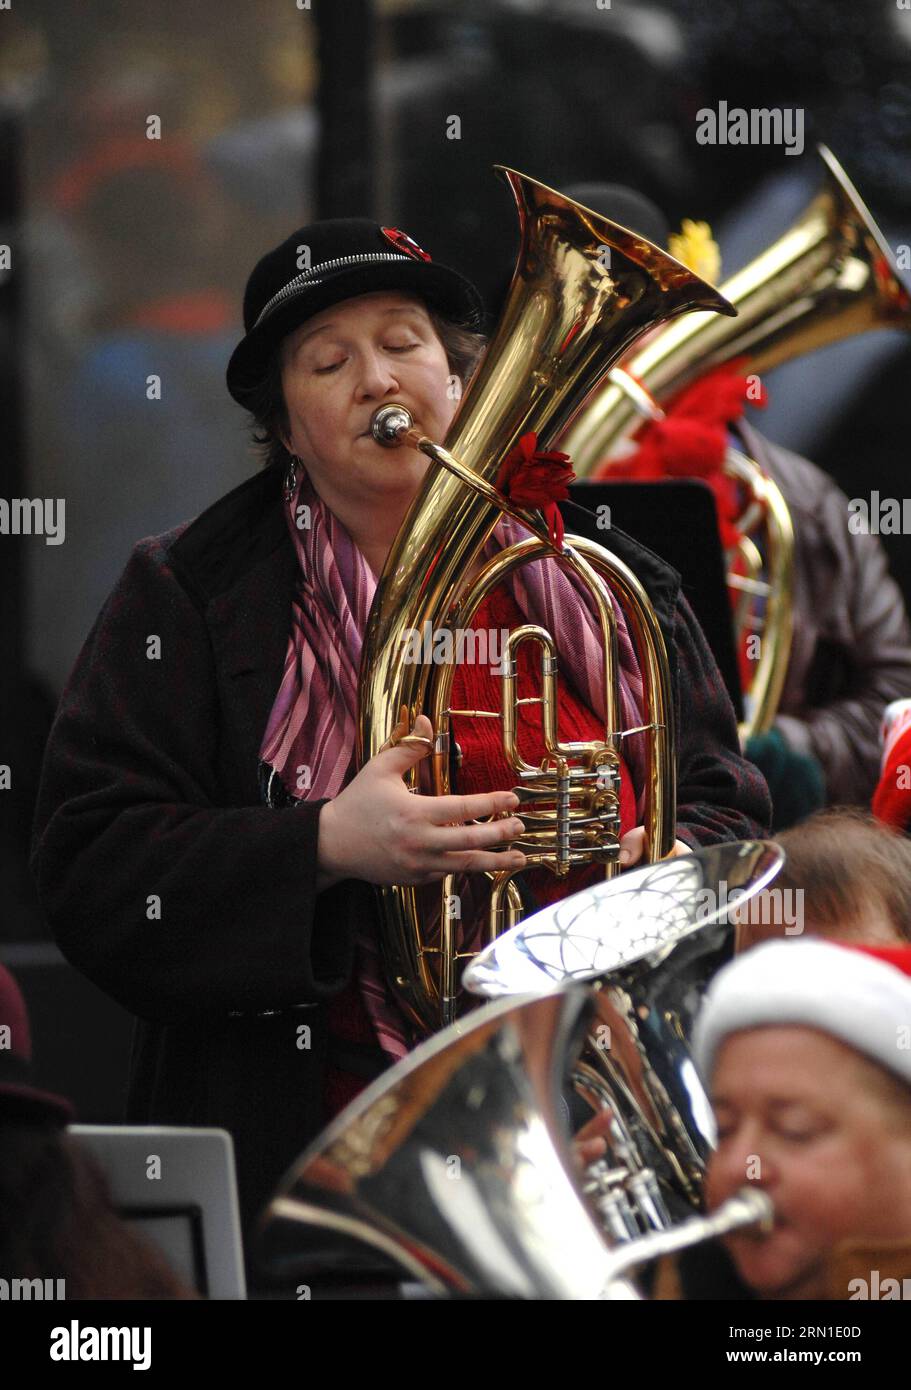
[389, 423]
[750, 1206]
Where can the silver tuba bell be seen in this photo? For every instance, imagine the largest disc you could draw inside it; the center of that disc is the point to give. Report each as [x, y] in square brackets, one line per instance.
[456, 1168]
[649, 943]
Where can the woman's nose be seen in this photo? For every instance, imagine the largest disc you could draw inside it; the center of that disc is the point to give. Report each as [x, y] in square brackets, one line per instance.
[738, 1161]
[376, 376]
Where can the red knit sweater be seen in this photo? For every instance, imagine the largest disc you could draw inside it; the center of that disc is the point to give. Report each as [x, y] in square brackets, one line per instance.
[484, 768]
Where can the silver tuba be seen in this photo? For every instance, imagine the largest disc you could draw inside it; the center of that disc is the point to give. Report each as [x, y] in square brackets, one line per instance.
[456, 1170]
[649, 943]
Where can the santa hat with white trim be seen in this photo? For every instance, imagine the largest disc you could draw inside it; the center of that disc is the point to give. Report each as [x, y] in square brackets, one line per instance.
[858, 994]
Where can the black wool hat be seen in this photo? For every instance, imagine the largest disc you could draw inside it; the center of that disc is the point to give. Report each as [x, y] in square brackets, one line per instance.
[321, 264]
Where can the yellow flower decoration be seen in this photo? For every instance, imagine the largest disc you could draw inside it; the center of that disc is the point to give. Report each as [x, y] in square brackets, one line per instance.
[696, 248]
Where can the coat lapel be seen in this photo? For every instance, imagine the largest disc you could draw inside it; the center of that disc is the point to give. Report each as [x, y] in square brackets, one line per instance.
[238, 561]
[249, 626]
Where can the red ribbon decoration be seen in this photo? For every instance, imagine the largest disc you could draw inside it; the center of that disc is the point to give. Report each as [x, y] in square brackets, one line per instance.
[691, 441]
[533, 477]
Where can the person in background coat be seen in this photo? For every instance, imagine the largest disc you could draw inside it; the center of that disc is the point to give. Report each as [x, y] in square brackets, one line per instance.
[58, 1223]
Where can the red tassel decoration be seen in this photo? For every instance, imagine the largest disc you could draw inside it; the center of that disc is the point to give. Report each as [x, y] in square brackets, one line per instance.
[533, 477]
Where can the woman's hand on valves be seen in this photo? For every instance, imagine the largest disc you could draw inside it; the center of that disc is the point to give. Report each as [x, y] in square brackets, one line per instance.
[378, 830]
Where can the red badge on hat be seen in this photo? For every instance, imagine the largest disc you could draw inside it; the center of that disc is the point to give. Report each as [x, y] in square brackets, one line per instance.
[403, 242]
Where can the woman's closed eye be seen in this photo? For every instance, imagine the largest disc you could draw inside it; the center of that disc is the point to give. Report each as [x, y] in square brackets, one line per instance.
[328, 367]
[798, 1124]
[800, 1133]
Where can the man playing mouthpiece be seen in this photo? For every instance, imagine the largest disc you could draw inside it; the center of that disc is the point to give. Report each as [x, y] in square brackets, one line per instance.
[805, 1047]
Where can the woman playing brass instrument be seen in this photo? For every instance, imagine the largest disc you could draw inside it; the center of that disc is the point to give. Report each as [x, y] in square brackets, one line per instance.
[204, 844]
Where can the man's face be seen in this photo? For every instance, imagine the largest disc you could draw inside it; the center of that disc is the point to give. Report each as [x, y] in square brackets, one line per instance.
[817, 1126]
[337, 369]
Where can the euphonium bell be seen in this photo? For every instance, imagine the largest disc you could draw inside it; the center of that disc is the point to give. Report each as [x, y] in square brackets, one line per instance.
[583, 291]
[454, 1168]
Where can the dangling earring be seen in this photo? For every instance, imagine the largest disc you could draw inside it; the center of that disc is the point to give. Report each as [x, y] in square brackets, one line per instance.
[291, 477]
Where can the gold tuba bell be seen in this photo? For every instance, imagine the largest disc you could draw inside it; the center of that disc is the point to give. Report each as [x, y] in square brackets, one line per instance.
[584, 289]
[830, 276]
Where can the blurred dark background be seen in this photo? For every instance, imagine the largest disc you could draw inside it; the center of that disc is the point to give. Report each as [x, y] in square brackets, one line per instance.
[128, 257]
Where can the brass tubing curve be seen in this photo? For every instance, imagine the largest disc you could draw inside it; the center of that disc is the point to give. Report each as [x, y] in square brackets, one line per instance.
[570, 315]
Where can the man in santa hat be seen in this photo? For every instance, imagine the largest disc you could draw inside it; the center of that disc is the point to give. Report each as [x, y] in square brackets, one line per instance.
[805, 1047]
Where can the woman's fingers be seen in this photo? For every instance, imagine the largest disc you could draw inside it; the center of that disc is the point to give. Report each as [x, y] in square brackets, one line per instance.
[471, 862]
[590, 1142]
[589, 1150]
[389, 835]
[465, 849]
[398, 756]
[598, 1127]
[632, 846]
[456, 810]
[454, 838]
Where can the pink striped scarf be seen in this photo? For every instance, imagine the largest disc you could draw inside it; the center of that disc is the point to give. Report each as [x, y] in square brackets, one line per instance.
[311, 733]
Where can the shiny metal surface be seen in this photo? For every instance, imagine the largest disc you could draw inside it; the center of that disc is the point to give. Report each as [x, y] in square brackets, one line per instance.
[748, 1207]
[583, 291]
[650, 942]
[388, 424]
[637, 917]
[830, 276]
[455, 1168]
[765, 593]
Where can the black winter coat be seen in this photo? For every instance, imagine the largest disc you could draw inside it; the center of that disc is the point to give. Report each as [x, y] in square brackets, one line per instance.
[168, 882]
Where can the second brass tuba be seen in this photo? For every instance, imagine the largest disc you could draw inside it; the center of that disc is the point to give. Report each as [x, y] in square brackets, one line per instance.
[830, 276]
[584, 289]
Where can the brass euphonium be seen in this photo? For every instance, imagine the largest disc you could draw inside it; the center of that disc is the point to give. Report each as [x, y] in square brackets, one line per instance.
[830, 276]
[583, 291]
